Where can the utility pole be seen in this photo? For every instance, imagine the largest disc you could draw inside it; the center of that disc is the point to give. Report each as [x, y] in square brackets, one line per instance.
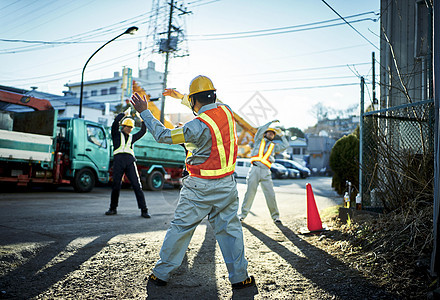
[167, 55]
[361, 121]
[169, 45]
[374, 79]
[435, 256]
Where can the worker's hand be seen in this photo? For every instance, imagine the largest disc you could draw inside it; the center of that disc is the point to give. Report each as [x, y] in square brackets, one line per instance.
[139, 103]
[279, 131]
[172, 93]
[275, 121]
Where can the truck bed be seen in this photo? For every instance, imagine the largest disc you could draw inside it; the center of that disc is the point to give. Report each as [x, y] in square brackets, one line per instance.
[25, 146]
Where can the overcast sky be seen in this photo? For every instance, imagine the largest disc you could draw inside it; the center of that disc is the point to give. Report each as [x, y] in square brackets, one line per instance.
[267, 59]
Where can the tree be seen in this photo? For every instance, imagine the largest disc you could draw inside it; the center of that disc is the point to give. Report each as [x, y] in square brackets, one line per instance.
[319, 111]
[344, 162]
[294, 131]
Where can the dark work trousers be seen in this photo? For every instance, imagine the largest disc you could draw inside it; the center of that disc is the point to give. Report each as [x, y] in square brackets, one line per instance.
[122, 165]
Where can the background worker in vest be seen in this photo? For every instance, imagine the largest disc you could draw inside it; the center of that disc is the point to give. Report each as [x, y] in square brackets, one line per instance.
[210, 189]
[124, 161]
[263, 155]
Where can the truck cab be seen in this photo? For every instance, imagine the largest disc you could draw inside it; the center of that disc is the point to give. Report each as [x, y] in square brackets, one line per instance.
[87, 149]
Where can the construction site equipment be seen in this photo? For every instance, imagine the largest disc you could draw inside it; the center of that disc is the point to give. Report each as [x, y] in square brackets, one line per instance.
[19, 99]
[245, 135]
[38, 147]
[151, 106]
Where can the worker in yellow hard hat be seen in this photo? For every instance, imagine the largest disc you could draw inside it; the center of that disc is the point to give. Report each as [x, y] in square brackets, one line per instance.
[263, 155]
[124, 162]
[210, 189]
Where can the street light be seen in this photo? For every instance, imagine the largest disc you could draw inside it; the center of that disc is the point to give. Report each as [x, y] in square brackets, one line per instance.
[130, 30]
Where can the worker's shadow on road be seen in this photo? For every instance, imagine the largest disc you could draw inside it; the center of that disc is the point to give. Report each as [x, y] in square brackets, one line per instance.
[321, 268]
[196, 278]
[21, 283]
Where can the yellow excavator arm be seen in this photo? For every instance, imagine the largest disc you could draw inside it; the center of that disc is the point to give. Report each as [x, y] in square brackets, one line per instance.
[151, 106]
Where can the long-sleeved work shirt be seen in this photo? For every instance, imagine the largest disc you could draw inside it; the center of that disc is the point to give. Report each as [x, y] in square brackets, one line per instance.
[278, 148]
[116, 137]
[194, 134]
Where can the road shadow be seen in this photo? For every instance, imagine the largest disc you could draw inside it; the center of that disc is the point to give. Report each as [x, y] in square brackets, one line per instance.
[40, 271]
[196, 279]
[325, 271]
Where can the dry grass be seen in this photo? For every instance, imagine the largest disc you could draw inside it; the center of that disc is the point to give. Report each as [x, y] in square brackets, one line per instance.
[392, 250]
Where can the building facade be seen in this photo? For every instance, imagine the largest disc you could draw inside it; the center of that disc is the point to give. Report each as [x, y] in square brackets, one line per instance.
[107, 92]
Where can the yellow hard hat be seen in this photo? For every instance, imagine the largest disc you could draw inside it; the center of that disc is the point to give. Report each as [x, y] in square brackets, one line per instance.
[128, 122]
[271, 129]
[200, 84]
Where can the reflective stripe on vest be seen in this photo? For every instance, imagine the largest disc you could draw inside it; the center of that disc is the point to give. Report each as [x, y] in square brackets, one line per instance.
[264, 157]
[221, 161]
[124, 147]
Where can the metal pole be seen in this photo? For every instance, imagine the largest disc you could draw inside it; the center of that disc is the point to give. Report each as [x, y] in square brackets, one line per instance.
[162, 107]
[128, 31]
[435, 257]
[374, 79]
[361, 136]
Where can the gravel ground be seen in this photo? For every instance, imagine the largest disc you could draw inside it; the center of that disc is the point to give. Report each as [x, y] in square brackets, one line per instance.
[286, 265]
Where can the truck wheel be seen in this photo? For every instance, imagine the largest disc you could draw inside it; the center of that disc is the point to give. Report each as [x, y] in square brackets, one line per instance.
[84, 181]
[155, 181]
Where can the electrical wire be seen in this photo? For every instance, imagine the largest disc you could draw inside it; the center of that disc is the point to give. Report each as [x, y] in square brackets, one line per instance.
[350, 25]
[307, 69]
[286, 27]
[281, 32]
[295, 88]
[75, 39]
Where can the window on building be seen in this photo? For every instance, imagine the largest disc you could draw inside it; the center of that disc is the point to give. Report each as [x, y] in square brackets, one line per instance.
[94, 93]
[85, 94]
[296, 151]
[113, 90]
[104, 92]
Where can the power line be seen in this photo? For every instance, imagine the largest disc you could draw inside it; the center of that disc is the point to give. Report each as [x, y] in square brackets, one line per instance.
[9, 4]
[308, 69]
[300, 79]
[286, 27]
[75, 39]
[350, 25]
[297, 88]
[280, 32]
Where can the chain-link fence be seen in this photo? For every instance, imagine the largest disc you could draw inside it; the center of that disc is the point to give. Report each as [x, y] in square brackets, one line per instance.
[398, 156]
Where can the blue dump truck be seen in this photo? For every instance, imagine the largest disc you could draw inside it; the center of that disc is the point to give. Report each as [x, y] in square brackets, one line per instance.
[38, 148]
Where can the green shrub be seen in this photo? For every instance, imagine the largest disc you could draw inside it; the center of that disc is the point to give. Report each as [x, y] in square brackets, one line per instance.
[344, 161]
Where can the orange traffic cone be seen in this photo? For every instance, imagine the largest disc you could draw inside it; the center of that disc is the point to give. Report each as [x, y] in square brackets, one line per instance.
[313, 219]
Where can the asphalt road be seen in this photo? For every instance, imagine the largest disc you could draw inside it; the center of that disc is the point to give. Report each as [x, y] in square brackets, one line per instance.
[34, 214]
[46, 236]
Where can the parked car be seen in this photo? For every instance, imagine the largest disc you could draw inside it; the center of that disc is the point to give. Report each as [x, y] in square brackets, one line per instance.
[293, 173]
[279, 171]
[290, 164]
[242, 167]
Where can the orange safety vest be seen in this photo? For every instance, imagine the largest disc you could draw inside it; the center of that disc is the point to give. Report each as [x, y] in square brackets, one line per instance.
[264, 157]
[221, 161]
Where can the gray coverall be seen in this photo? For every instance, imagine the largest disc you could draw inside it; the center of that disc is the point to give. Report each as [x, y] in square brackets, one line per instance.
[260, 174]
[200, 197]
